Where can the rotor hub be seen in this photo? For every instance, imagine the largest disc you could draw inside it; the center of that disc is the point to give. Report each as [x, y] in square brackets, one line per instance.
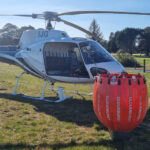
[51, 16]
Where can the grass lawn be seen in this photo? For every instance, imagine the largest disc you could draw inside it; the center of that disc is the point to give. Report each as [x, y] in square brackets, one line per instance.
[141, 62]
[70, 125]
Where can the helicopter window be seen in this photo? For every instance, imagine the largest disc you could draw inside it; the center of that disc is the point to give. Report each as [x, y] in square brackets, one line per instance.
[64, 59]
[94, 53]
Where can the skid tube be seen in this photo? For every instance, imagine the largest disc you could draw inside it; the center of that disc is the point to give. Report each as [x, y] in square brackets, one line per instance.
[60, 90]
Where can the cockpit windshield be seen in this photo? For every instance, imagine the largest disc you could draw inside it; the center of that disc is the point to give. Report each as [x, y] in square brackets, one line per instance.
[92, 52]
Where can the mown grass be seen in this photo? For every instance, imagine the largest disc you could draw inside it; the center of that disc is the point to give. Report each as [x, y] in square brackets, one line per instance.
[70, 125]
[140, 60]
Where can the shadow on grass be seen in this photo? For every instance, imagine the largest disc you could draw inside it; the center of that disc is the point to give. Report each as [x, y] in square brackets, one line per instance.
[132, 144]
[81, 113]
[103, 143]
[76, 111]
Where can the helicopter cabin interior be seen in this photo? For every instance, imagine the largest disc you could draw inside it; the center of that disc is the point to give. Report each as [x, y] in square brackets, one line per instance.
[64, 59]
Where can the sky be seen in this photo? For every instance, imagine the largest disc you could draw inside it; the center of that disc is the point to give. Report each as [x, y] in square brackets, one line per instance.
[108, 23]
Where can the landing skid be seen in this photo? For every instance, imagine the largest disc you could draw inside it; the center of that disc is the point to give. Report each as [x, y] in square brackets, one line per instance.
[75, 91]
[62, 97]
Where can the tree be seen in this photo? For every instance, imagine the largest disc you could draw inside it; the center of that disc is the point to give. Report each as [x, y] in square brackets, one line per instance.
[95, 30]
[125, 39]
[112, 46]
[143, 41]
[8, 34]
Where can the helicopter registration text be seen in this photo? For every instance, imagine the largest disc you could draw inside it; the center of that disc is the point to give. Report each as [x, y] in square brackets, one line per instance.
[43, 34]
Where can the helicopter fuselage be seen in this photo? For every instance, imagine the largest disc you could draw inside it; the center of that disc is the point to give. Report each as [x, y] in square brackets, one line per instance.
[54, 56]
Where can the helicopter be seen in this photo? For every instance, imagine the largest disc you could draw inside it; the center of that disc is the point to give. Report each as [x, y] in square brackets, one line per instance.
[55, 57]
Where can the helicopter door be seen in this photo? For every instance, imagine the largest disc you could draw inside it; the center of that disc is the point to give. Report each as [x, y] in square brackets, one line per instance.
[64, 59]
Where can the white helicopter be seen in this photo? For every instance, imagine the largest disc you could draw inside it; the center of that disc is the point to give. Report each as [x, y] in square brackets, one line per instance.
[55, 57]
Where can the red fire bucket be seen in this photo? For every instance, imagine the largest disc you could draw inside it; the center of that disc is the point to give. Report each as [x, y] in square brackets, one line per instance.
[120, 101]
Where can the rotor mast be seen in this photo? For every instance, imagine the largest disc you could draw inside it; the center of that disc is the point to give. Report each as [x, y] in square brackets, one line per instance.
[49, 25]
[49, 17]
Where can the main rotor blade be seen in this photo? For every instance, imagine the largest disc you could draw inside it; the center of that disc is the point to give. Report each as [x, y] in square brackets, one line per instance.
[39, 16]
[79, 28]
[102, 12]
[20, 15]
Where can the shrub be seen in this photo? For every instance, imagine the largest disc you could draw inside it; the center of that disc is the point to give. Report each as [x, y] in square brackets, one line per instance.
[126, 59]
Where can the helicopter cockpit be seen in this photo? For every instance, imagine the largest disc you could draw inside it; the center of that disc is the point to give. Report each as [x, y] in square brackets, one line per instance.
[64, 59]
[70, 59]
[92, 52]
